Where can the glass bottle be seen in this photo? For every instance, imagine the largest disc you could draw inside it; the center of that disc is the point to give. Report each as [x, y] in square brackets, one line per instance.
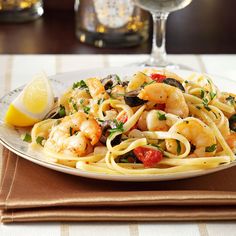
[20, 10]
[111, 23]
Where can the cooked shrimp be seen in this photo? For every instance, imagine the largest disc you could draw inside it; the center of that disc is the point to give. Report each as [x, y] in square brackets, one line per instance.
[75, 134]
[156, 120]
[171, 96]
[96, 88]
[199, 135]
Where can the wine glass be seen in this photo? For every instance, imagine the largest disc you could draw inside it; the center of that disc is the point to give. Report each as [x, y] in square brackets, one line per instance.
[160, 10]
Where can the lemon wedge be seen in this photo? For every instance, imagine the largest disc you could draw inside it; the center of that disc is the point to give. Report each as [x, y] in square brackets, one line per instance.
[32, 104]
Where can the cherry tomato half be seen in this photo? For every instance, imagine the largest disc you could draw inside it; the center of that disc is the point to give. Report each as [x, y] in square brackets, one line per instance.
[148, 156]
[158, 77]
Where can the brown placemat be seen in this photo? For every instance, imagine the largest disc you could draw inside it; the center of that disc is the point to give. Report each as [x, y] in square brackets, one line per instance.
[33, 193]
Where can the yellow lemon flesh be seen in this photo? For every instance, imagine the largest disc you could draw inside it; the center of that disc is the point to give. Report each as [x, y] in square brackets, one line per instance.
[32, 104]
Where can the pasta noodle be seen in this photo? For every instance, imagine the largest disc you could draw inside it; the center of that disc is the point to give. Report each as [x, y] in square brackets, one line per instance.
[156, 123]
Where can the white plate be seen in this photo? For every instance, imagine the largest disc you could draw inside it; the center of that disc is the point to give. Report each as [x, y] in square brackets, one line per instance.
[10, 136]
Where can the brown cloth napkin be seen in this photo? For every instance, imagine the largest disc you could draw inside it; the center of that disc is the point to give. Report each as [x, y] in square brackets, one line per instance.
[33, 193]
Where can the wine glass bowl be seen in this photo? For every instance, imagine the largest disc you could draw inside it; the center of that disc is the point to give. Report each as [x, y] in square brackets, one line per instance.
[160, 10]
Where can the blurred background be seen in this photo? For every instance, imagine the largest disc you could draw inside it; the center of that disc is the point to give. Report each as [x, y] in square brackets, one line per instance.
[204, 27]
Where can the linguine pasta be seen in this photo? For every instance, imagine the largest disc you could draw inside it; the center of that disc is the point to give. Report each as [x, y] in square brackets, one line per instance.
[154, 123]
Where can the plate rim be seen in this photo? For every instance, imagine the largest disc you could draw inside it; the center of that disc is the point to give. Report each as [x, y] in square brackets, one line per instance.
[111, 177]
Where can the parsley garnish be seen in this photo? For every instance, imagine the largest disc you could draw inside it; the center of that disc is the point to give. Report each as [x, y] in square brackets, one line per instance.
[62, 111]
[198, 107]
[75, 107]
[39, 140]
[205, 104]
[161, 116]
[86, 110]
[118, 79]
[202, 94]
[81, 84]
[81, 101]
[119, 128]
[178, 147]
[211, 148]
[26, 138]
[212, 95]
[230, 99]
[71, 131]
[100, 101]
[147, 83]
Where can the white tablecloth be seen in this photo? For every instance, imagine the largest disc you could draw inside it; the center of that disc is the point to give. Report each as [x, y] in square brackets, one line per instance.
[16, 70]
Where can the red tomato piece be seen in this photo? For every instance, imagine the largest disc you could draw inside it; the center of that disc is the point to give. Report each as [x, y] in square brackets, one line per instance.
[158, 77]
[148, 156]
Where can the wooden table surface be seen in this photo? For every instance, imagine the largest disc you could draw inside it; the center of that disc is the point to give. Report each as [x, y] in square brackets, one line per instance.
[13, 73]
[205, 26]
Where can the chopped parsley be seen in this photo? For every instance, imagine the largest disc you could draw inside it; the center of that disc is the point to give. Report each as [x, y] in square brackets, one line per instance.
[118, 79]
[161, 116]
[212, 95]
[75, 107]
[71, 131]
[62, 111]
[147, 83]
[202, 94]
[100, 101]
[198, 107]
[230, 99]
[26, 138]
[178, 147]
[81, 101]
[86, 110]
[186, 81]
[81, 84]
[39, 140]
[211, 148]
[119, 128]
[205, 104]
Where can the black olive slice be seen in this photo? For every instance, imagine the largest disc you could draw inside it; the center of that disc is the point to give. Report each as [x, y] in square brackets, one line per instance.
[174, 82]
[132, 99]
[111, 81]
[106, 125]
[232, 122]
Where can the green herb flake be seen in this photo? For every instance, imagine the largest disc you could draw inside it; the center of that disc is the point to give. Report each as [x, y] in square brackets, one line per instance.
[75, 107]
[205, 101]
[118, 79]
[81, 84]
[81, 101]
[100, 101]
[161, 116]
[186, 82]
[211, 148]
[147, 83]
[212, 95]
[202, 94]
[62, 111]
[230, 99]
[207, 108]
[71, 131]
[198, 107]
[39, 140]
[26, 138]
[86, 110]
[178, 147]
[119, 128]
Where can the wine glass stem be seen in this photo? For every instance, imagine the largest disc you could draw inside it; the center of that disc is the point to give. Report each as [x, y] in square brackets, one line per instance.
[158, 54]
